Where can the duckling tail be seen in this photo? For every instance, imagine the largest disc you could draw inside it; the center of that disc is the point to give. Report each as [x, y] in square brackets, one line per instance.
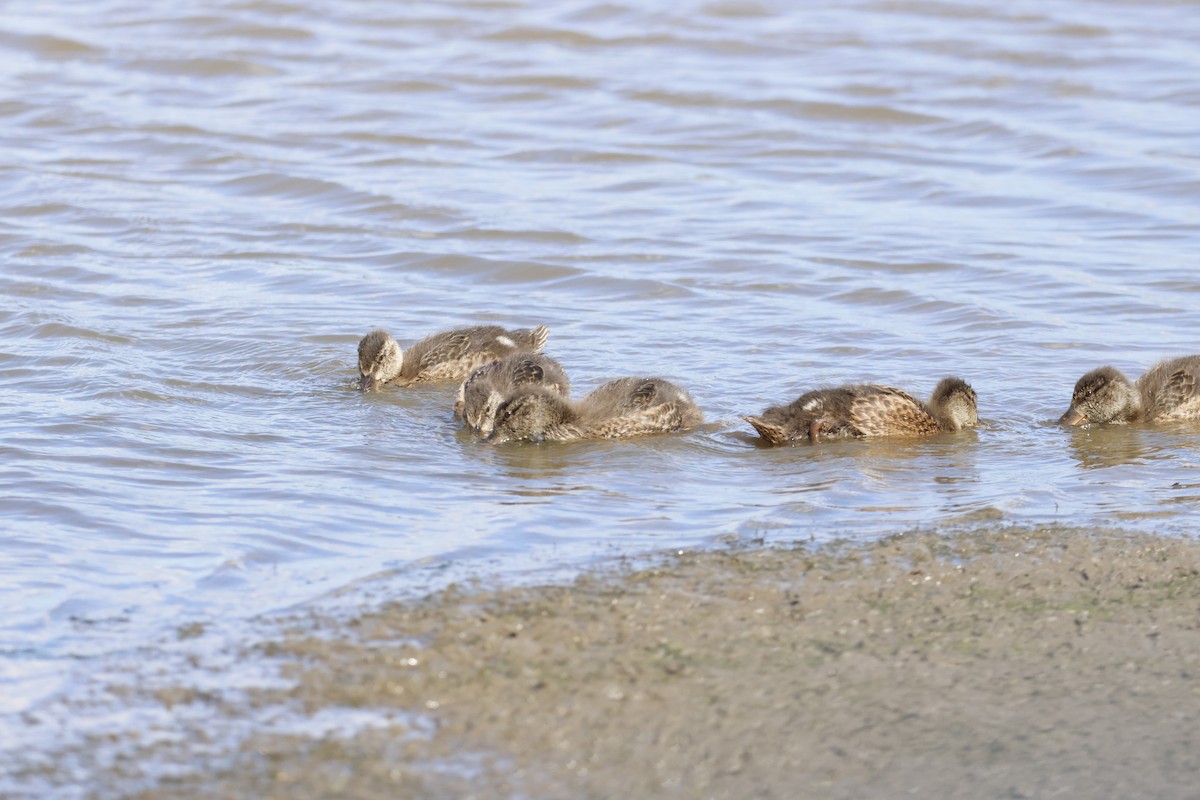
[537, 338]
[772, 433]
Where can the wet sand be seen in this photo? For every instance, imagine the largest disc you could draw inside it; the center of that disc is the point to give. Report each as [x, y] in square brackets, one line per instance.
[1051, 662]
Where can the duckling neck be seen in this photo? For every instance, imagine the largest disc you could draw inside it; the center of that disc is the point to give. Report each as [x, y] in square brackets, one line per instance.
[398, 372]
[946, 419]
[1138, 399]
[409, 365]
[569, 426]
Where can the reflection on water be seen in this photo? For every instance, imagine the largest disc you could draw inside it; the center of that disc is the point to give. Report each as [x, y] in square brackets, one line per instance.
[1094, 446]
[555, 469]
[202, 214]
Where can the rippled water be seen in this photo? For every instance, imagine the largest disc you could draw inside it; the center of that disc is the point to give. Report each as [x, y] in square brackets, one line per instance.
[203, 209]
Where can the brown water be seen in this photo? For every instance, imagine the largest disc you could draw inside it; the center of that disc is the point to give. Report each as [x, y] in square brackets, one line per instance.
[204, 208]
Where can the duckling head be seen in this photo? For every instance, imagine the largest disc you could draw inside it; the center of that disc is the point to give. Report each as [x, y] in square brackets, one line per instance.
[379, 360]
[954, 404]
[480, 414]
[1102, 395]
[526, 416]
[472, 393]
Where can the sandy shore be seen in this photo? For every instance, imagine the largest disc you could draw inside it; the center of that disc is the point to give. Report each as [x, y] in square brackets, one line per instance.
[1012, 663]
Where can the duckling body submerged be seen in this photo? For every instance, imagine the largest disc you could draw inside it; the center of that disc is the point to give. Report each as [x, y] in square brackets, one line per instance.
[447, 356]
[1167, 391]
[868, 410]
[620, 408]
[486, 387]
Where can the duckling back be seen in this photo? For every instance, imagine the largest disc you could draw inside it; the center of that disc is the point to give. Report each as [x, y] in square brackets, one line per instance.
[863, 410]
[1169, 389]
[637, 406]
[452, 355]
[821, 413]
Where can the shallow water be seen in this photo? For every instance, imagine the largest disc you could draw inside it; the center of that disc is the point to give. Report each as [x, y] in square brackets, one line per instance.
[203, 211]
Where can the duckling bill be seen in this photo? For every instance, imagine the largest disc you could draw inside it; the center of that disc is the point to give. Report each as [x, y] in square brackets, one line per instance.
[1166, 392]
[863, 410]
[446, 356]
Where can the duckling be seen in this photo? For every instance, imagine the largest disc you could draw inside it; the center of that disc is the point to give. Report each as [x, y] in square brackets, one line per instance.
[868, 410]
[618, 409]
[485, 388]
[447, 356]
[1166, 392]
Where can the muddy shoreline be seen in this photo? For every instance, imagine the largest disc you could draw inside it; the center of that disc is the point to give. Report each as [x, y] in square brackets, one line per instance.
[1005, 663]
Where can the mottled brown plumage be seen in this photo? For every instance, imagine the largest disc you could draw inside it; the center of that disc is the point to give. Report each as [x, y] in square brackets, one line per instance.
[448, 356]
[1166, 392]
[620, 408]
[868, 410]
[486, 387]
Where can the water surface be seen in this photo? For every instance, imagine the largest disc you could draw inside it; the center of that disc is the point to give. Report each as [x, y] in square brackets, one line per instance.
[203, 210]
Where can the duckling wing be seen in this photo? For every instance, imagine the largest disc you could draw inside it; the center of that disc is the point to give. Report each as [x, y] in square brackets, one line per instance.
[1177, 396]
[643, 395]
[890, 412]
[445, 349]
[658, 418]
[527, 370]
[664, 406]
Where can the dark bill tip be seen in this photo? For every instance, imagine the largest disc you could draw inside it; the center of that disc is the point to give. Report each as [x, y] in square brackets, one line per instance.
[1072, 418]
